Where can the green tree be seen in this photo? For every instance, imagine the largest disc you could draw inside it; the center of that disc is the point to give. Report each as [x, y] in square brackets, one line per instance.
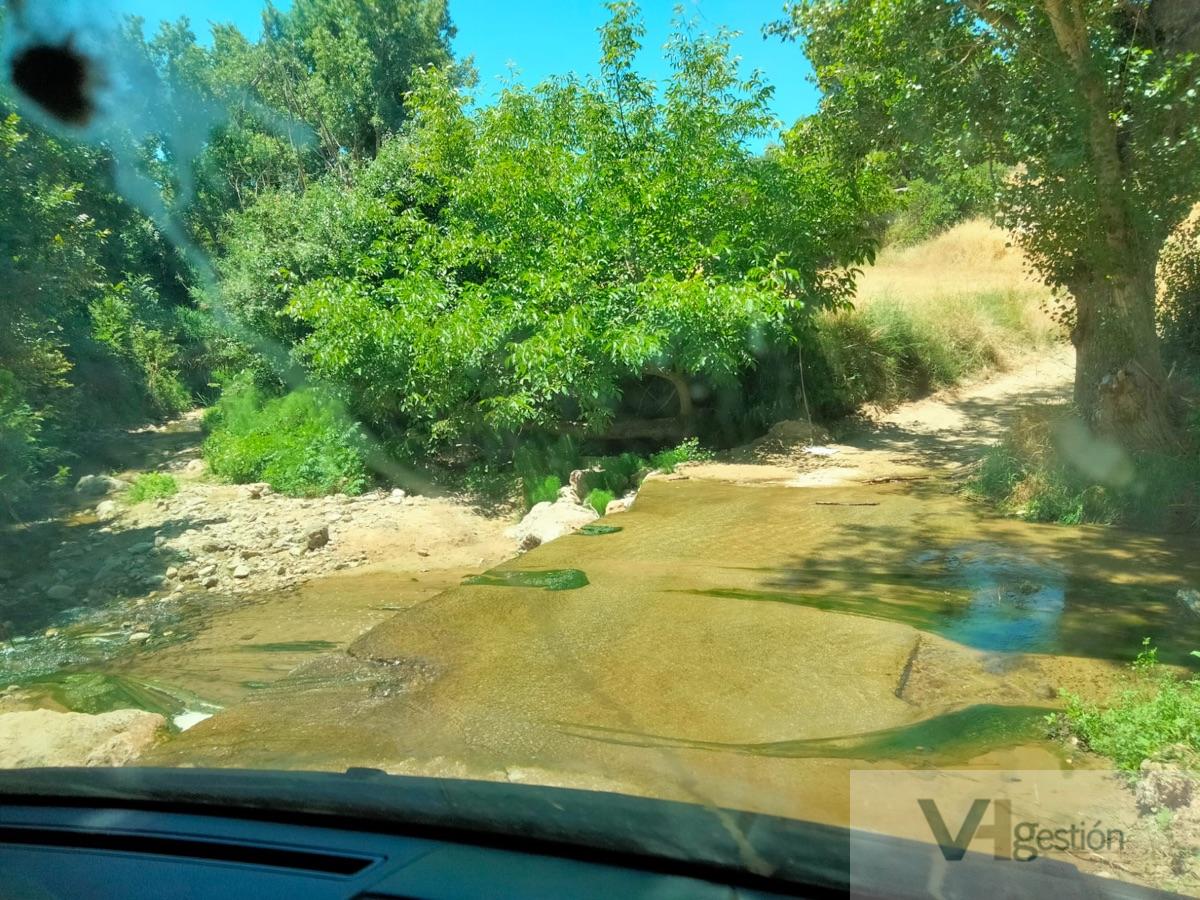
[515, 268]
[1095, 102]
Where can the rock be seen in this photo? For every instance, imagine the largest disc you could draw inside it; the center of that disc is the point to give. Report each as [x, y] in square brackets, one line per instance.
[529, 542]
[314, 536]
[584, 481]
[616, 506]
[153, 582]
[196, 467]
[172, 571]
[258, 490]
[206, 570]
[61, 592]
[241, 572]
[41, 737]
[142, 548]
[1190, 599]
[138, 636]
[397, 496]
[107, 510]
[548, 521]
[99, 485]
[1163, 786]
[211, 581]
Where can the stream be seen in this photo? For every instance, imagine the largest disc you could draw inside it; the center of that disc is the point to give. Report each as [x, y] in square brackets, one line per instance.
[745, 644]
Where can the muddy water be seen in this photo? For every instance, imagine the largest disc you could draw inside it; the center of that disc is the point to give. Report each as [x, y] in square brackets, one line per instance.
[743, 645]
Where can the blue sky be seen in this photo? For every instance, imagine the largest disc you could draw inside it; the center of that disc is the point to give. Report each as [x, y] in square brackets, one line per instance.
[544, 38]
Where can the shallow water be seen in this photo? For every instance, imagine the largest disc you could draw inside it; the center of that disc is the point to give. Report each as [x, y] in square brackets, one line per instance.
[755, 641]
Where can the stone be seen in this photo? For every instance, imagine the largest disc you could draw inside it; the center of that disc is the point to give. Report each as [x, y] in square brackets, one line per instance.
[241, 572]
[206, 570]
[139, 636]
[196, 467]
[61, 592]
[42, 737]
[142, 548]
[548, 521]
[616, 506]
[211, 581]
[314, 536]
[172, 571]
[397, 496]
[258, 490]
[107, 510]
[153, 582]
[99, 485]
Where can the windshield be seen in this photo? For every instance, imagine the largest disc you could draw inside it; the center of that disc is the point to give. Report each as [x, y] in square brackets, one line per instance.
[749, 407]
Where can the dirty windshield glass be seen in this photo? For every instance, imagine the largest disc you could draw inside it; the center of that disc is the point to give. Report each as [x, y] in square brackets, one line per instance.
[748, 406]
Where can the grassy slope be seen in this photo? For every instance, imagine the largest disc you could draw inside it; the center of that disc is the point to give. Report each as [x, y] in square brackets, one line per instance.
[928, 316]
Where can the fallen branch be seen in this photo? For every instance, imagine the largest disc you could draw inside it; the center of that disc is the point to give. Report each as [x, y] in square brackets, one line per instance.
[839, 503]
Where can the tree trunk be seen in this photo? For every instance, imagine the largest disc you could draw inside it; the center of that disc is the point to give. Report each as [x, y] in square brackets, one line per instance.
[683, 391]
[1120, 382]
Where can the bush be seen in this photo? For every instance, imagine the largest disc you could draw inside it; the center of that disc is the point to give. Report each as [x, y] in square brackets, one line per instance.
[1179, 294]
[598, 499]
[151, 486]
[301, 444]
[20, 450]
[124, 321]
[1156, 713]
[543, 490]
[688, 451]
[1036, 474]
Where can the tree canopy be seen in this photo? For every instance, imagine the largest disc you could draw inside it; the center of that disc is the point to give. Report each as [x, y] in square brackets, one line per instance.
[1095, 105]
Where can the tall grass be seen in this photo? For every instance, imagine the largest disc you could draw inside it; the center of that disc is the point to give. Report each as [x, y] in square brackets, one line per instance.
[890, 349]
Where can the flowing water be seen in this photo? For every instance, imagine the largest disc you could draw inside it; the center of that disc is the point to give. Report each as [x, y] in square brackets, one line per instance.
[744, 644]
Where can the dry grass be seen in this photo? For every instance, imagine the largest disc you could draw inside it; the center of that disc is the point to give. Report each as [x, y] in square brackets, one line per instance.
[971, 258]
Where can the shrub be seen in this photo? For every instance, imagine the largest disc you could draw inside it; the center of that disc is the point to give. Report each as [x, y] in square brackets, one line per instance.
[123, 320]
[541, 490]
[1155, 713]
[1179, 293]
[598, 499]
[20, 450]
[151, 486]
[688, 451]
[301, 444]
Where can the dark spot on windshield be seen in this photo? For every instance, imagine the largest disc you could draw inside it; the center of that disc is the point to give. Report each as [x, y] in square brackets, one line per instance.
[55, 78]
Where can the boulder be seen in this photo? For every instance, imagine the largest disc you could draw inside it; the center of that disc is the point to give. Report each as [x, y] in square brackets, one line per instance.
[798, 431]
[99, 485]
[616, 506]
[196, 467]
[42, 737]
[314, 536]
[548, 521]
[61, 592]
[107, 510]
[397, 496]
[258, 490]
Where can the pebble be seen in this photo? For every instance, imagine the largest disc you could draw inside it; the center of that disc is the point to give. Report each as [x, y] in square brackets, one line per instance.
[241, 572]
[138, 636]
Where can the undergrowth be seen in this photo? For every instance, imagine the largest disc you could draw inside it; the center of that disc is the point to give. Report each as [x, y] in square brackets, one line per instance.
[1048, 469]
[1154, 714]
[151, 486]
[301, 444]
